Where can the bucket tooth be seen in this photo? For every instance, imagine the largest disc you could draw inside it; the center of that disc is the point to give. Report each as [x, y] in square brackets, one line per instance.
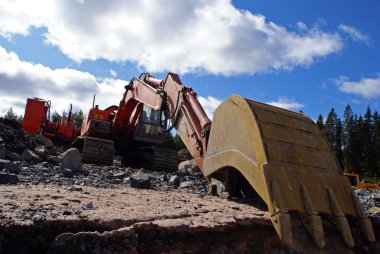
[340, 220]
[282, 225]
[312, 221]
[279, 215]
[364, 222]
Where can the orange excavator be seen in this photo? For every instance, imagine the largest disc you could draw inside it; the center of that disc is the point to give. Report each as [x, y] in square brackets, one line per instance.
[37, 120]
[251, 148]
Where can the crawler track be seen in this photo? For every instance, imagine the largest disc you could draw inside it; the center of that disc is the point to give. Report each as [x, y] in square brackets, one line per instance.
[98, 151]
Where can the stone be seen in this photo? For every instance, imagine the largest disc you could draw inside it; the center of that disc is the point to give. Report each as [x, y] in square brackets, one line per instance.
[174, 180]
[140, 181]
[67, 173]
[45, 164]
[186, 184]
[41, 140]
[6, 178]
[67, 212]
[189, 167]
[9, 166]
[89, 206]
[71, 159]
[30, 156]
[75, 188]
[38, 218]
[42, 151]
[120, 175]
[12, 156]
[54, 159]
[3, 150]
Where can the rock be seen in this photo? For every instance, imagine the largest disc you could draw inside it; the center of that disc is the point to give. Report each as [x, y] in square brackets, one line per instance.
[186, 184]
[67, 212]
[38, 218]
[67, 173]
[3, 150]
[9, 166]
[75, 188]
[12, 156]
[184, 155]
[42, 151]
[71, 159]
[40, 140]
[174, 180]
[120, 175]
[189, 167]
[54, 159]
[217, 188]
[45, 164]
[140, 180]
[89, 206]
[6, 178]
[29, 155]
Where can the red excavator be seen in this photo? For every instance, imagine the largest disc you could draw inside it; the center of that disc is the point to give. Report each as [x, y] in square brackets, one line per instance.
[251, 149]
[37, 120]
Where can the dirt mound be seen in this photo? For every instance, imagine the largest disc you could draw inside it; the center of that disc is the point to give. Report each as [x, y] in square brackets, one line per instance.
[16, 140]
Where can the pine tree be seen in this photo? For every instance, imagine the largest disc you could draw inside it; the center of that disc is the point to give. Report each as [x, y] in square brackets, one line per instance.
[376, 122]
[78, 118]
[359, 136]
[347, 139]
[334, 132]
[320, 123]
[369, 155]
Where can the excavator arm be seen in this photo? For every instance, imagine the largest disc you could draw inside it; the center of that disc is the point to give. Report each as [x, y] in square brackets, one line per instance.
[175, 102]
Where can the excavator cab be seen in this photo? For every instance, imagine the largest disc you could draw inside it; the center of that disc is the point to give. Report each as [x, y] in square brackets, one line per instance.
[148, 128]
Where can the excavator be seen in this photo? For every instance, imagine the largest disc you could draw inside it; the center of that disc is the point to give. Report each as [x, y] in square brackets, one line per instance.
[37, 120]
[251, 148]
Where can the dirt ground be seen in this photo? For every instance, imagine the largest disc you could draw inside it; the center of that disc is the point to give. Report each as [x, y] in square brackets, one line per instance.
[78, 219]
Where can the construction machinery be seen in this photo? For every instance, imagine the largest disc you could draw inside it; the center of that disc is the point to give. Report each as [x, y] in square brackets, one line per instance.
[361, 184]
[251, 148]
[37, 120]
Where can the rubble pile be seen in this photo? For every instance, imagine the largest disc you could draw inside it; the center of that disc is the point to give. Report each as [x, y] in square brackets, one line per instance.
[370, 201]
[15, 139]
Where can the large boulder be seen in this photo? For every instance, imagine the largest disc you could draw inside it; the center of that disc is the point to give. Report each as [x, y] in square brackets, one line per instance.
[3, 151]
[189, 167]
[41, 140]
[9, 166]
[30, 156]
[71, 160]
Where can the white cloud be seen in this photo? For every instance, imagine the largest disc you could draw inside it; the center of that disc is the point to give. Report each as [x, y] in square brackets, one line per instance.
[20, 80]
[209, 104]
[355, 34]
[286, 103]
[301, 25]
[368, 88]
[169, 35]
[113, 73]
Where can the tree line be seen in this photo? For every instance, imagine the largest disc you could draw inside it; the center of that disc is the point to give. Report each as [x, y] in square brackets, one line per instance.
[355, 140]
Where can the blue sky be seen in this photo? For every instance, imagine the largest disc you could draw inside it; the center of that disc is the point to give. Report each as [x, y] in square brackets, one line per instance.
[298, 54]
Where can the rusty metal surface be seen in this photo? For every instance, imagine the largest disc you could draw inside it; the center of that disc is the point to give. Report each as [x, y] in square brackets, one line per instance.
[288, 162]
